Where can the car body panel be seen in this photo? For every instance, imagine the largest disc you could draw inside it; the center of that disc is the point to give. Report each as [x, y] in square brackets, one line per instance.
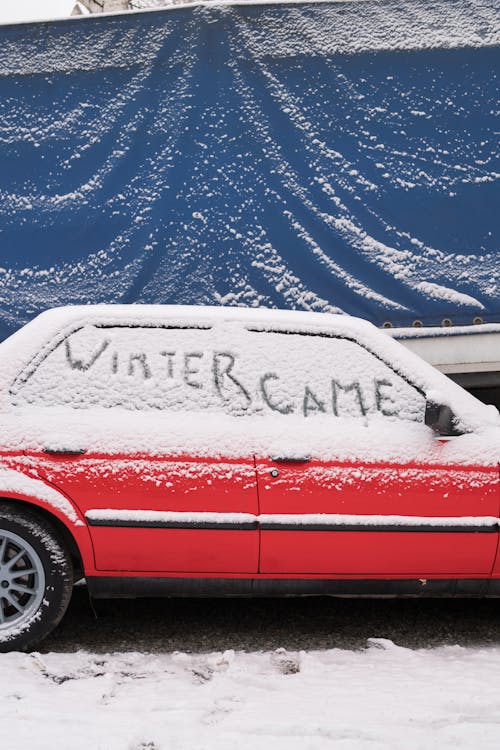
[180, 484]
[369, 495]
[34, 490]
[287, 492]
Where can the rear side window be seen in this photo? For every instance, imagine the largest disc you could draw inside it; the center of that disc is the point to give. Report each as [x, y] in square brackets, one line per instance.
[225, 370]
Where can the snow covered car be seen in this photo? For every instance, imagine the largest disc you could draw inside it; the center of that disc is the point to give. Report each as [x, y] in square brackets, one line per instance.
[162, 450]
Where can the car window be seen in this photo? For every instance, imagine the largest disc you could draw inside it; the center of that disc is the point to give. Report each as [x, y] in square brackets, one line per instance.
[224, 369]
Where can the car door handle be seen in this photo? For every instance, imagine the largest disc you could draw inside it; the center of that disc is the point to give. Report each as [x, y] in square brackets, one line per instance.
[64, 451]
[291, 459]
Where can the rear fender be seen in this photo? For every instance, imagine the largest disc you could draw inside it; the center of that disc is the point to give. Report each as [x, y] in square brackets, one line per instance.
[21, 488]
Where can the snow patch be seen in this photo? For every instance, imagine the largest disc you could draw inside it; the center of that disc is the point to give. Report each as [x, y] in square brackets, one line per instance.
[437, 291]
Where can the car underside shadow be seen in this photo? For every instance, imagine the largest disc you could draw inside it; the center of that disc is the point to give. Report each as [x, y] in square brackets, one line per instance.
[201, 625]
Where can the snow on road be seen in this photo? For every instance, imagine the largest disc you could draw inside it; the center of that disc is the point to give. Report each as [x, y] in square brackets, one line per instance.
[381, 697]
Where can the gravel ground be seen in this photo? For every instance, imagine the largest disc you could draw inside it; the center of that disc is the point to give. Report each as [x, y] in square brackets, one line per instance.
[204, 625]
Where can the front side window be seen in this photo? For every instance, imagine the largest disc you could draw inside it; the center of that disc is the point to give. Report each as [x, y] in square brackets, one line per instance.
[225, 369]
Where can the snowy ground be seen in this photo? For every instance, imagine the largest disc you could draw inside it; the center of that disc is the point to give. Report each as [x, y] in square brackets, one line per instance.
[382, 696]
[125, 679]
[207, 674]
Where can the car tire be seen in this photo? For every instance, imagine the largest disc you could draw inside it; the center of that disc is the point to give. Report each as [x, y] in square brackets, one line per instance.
[36, 578]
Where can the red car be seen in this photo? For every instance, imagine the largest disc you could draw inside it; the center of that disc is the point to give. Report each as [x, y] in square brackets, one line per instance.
[161, 450]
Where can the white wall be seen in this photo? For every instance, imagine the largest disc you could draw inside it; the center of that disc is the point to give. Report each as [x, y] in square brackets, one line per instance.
[34, 10]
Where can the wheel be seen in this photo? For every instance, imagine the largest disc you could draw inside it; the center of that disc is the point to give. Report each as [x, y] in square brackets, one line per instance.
[36, 578]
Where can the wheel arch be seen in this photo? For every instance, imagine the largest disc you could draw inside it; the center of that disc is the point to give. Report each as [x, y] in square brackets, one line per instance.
[76, 539]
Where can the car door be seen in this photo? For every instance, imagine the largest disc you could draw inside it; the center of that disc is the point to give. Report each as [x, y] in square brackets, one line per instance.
[125, 419]
[358, 485]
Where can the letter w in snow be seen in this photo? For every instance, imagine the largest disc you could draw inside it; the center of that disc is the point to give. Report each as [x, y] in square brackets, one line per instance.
[80, 364]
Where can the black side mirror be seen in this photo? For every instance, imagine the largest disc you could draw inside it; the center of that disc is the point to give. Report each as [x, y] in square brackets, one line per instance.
[441, 419]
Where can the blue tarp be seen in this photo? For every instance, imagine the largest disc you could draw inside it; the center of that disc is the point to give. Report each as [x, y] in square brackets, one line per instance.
[323, 156]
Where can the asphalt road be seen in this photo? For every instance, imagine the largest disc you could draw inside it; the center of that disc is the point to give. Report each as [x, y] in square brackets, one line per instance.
[201, 625]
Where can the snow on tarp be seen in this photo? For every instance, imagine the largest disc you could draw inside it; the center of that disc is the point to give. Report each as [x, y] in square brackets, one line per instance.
[328, 156]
